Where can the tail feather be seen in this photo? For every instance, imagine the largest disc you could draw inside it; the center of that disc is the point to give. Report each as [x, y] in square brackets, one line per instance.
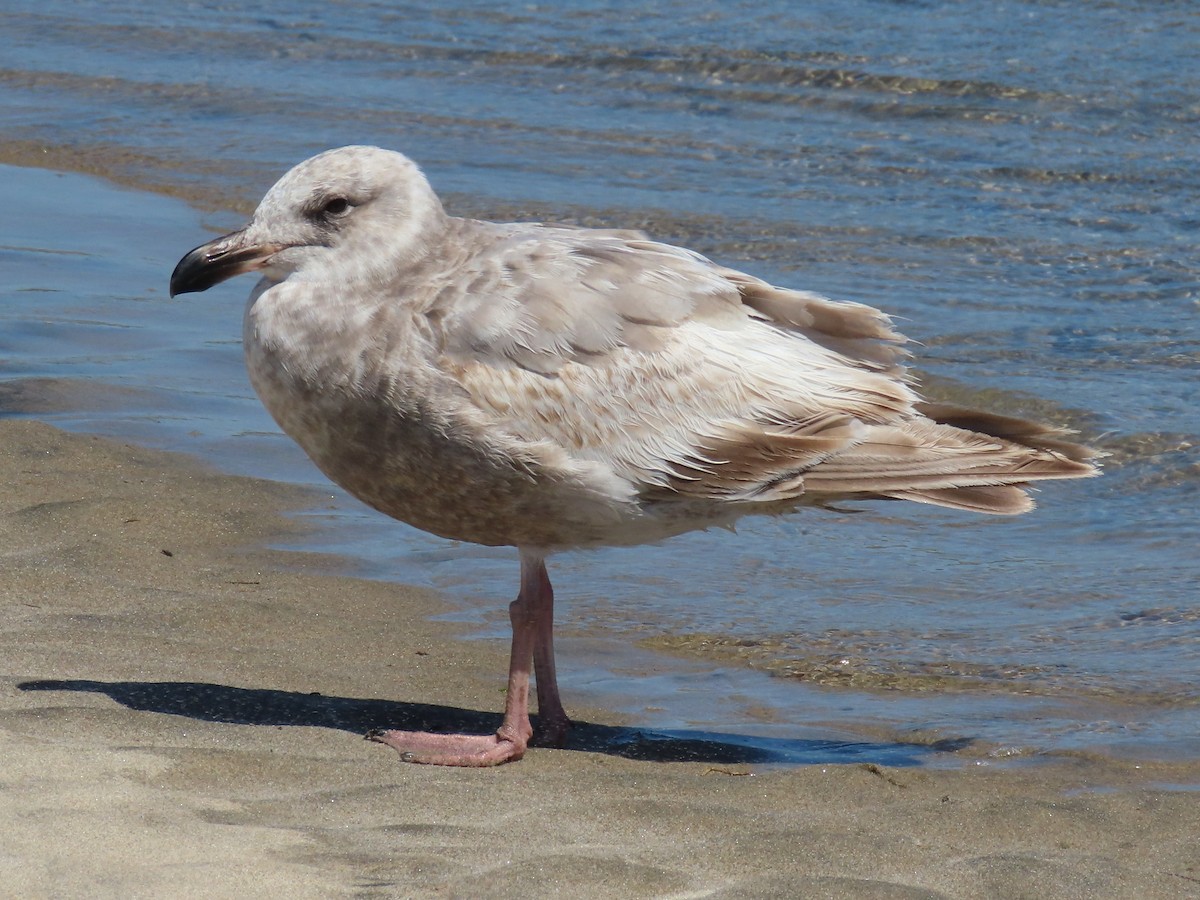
[1034, 435]
[997, 500]
[954, 457]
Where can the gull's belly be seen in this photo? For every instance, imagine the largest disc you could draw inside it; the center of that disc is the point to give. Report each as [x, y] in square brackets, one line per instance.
[393, 447]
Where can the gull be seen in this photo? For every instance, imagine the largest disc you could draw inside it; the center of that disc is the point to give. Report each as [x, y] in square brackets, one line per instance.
[547, 388]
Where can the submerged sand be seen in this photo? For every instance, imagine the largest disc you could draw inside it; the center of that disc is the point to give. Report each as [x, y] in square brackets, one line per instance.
[181, 715]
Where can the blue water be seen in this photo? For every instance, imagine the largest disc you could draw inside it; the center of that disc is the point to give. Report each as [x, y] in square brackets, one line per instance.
[1018, 183]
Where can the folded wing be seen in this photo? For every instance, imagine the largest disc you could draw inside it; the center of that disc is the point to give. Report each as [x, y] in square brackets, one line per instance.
[691, 381]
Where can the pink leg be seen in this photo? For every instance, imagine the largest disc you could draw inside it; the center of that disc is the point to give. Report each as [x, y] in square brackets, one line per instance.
[532, 617]
[553, 723]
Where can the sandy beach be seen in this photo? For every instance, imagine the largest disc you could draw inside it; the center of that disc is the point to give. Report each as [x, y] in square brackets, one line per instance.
[183, 713]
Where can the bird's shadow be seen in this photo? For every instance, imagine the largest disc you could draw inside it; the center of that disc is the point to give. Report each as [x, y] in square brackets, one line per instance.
[264, 707]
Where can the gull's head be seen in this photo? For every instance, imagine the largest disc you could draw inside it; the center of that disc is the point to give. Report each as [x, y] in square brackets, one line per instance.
[349, 214]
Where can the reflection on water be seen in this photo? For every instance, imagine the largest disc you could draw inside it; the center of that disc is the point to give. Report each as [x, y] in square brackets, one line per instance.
[1017, 183]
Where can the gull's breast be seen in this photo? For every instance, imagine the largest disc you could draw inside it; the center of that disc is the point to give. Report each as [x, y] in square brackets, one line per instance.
[381, 421]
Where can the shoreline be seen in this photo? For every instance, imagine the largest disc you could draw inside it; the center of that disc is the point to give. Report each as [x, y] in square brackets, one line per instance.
[181, 717]
[672, 669]
[671, 698]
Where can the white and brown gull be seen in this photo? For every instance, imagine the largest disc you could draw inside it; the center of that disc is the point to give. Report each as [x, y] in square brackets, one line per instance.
[548, 387]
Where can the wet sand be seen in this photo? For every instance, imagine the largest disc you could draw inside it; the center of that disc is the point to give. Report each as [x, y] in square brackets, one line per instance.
[181, 715]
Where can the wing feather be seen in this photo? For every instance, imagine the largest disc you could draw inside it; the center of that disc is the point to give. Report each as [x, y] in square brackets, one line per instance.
[688, 380]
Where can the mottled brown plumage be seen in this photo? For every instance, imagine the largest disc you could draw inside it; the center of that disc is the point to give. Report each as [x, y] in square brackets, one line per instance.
[549, 387]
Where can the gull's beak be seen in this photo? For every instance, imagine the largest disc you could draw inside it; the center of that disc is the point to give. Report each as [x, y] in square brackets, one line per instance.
[219, 259]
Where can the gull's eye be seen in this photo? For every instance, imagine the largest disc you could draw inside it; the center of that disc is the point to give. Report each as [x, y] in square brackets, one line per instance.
[334, 207]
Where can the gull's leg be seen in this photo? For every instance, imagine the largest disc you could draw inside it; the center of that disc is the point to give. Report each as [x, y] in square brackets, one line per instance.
[553, 723]
[532, 620]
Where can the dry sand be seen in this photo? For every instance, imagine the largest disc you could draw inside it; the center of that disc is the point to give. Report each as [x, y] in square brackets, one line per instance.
[180, 716]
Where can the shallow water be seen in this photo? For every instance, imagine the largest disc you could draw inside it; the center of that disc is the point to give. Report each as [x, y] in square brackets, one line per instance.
[1017, 183]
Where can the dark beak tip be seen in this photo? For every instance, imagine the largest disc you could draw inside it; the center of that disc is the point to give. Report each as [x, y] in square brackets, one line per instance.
[212, 263]
[195, 272]
[176, 287]
[185, 275]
